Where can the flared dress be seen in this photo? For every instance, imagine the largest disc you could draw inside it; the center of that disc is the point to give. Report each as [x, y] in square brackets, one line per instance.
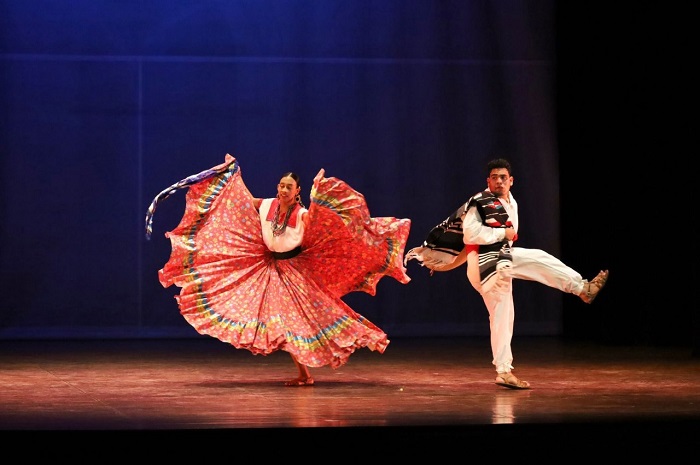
[233, 289]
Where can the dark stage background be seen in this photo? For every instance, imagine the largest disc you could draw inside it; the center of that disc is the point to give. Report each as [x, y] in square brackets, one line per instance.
[104, 104]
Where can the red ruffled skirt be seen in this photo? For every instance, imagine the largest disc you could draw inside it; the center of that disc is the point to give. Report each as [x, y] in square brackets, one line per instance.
[234, 290]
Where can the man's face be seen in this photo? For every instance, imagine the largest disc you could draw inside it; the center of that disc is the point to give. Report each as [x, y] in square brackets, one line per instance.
[499, 181]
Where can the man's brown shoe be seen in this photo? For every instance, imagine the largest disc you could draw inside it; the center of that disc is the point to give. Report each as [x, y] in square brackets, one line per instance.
[511, 381]
[594, 286]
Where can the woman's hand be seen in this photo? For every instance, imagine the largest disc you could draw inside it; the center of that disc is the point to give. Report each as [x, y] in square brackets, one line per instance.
[319, 176]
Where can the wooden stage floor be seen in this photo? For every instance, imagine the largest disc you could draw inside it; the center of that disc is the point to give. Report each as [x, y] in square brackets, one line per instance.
[421, 394]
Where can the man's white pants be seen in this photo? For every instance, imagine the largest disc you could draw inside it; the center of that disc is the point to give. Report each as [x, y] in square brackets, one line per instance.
[528, 264]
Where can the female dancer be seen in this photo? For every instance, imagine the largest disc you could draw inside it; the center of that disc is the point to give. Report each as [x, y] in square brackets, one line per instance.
[266, 274]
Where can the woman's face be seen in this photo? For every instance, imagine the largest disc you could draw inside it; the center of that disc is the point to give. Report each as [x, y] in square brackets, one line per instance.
[287, 190]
